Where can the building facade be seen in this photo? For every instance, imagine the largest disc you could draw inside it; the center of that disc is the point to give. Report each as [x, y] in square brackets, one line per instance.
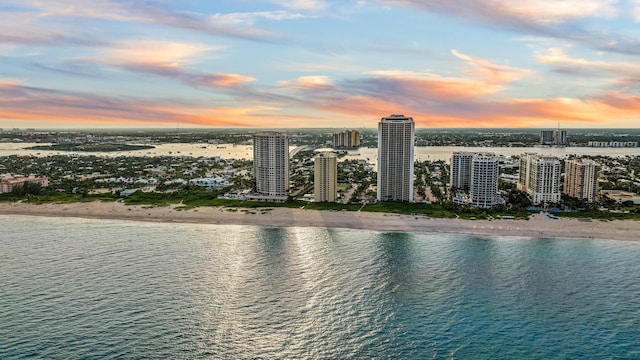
[581, 179]
[461, 170]
[484, 180]
[8, 182]
[396, 135]
[348, 139]
[271, 165]
[554, 137]
[540, 178]
[325, 177]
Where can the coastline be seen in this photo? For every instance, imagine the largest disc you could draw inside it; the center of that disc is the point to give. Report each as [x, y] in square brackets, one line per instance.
[538, 226]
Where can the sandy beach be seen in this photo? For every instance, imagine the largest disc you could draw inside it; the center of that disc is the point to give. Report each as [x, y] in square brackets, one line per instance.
[537, 226]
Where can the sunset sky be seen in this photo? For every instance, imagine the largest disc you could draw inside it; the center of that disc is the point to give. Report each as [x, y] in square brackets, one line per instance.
[319, 63]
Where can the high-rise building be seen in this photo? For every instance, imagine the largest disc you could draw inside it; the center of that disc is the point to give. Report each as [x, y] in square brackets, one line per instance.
[325, 180]
[348, 139]
[484, 180]
[396, 135]
[554, 137]
[461, 170]
[540, 178]
[271, 165]
[560, 137]
[475, 175]
[581, 179]
[546, 137]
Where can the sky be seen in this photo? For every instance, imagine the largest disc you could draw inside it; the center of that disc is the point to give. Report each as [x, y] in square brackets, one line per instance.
[319, 63]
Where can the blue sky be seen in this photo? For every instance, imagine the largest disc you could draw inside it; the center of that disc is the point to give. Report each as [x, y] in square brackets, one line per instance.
[319, 63]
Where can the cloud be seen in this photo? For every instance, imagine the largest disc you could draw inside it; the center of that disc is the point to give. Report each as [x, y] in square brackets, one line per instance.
[567, 64]
[490, 72]
[249, 18]
[150, 12]
[24, 103]
[311, 5]
[314, 82]
[548, 18]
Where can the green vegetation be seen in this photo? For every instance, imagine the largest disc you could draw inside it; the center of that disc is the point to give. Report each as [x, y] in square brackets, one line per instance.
[92, 147]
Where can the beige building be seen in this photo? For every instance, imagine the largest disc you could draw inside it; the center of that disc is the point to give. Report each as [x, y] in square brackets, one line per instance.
[325, 180]
[540, 178]
[581, 179]
[348, 139]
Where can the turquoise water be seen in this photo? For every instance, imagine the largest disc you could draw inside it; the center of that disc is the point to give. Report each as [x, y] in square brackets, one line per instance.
[74, 288]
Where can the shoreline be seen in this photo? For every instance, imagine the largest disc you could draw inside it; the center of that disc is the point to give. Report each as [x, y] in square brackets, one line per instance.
[538, 226]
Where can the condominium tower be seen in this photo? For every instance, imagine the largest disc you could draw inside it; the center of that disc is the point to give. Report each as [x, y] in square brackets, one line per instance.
[540, 178]
[484, 180]
[461, 170]
[348, 139]
[396, 135]
[325, 180]
[581, 179]
[476, 175]
[271, 165]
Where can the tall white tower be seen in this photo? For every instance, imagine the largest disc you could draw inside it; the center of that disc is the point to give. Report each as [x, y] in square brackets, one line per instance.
[396, 135]
[271, 164]
[484, 180]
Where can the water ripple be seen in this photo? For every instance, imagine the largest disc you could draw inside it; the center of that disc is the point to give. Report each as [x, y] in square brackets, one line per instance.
[74, 288]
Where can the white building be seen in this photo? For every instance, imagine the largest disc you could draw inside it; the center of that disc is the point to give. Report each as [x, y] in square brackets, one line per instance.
[325, 180]
[484, 180]
[210, 182]
[271, 166]
[475, 175]
[461, 170]
[540, 178]
[581, 179]
[396, 135]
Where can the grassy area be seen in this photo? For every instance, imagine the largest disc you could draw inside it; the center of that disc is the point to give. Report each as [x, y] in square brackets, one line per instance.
[189, 199]
[431, 210]
[600, 215]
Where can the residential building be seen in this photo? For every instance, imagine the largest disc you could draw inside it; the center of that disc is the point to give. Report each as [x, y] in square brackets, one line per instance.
[325, 180]
[475, 176]
[484, 180]
[396, 135]
[461, 170]
[271, 166]
[581, 179]
[540, 178]
[556, 137]
[8, 182]
[546, 137]
[560, 137]
[348, 139]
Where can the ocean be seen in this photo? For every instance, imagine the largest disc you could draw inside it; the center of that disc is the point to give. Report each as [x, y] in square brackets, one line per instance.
[82, 288]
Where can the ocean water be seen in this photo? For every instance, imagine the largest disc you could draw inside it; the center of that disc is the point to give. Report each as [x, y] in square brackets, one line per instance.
[78, 288]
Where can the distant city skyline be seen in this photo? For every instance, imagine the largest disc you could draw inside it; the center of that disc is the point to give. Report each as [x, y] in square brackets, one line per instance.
[319, 63]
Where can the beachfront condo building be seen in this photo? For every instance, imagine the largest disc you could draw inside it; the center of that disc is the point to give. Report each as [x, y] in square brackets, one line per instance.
[325, 177]
[461, 170]
[540, 178]
[484, 180]
[348, 139]
[271, 166]
[474, 176]
[581, 179]
[396, 135]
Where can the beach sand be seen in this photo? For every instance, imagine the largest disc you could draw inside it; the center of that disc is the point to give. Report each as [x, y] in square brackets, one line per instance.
[538, 226]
